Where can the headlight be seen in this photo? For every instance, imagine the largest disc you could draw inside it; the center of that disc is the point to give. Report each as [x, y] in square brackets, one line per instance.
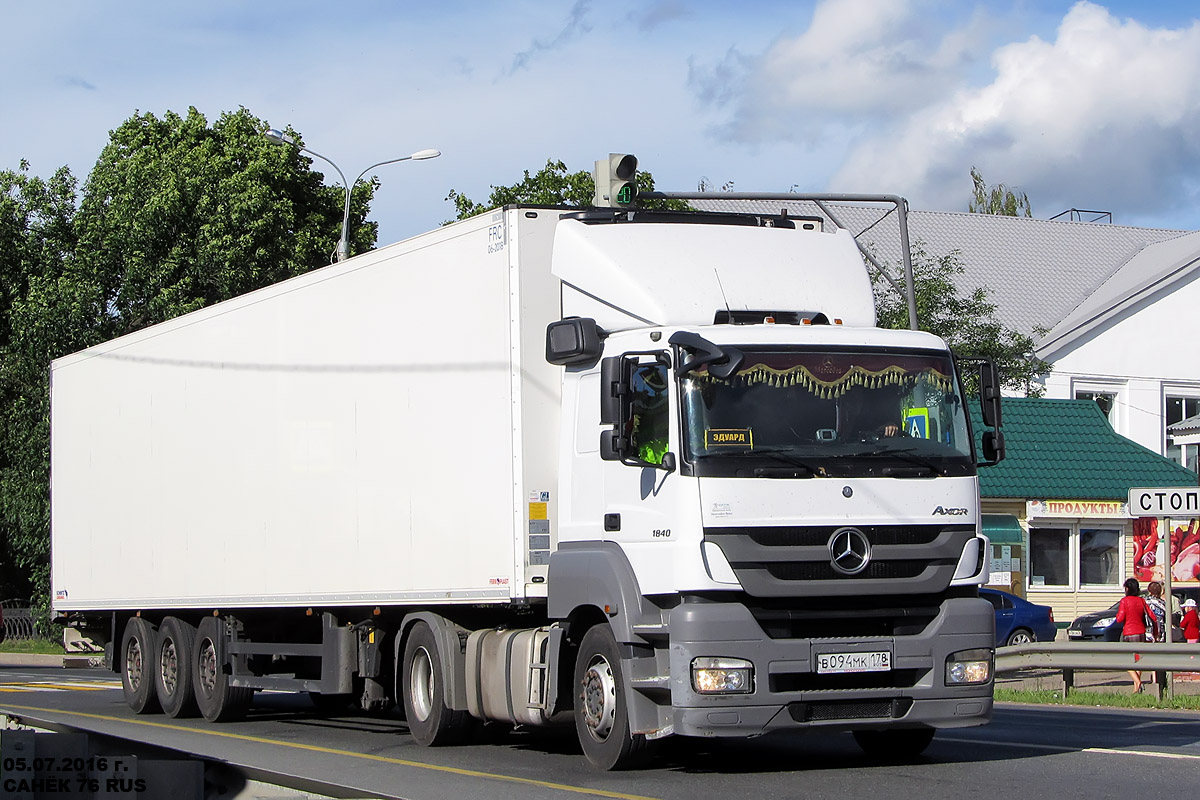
[722, 675]
[1104, 623]
[968, 667]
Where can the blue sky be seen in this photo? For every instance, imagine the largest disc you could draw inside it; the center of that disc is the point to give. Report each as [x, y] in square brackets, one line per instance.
[1085, 105]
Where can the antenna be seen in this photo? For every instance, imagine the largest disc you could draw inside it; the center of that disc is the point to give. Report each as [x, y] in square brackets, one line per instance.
[723, 297]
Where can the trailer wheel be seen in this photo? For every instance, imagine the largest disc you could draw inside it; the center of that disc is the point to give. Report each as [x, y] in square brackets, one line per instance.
[601, 714]
[894, 745]
[173, 668]
[218, 701]
[137, 671]
[430, 721]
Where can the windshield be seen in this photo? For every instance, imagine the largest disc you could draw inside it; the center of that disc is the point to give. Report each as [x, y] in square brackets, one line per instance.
[843, 413]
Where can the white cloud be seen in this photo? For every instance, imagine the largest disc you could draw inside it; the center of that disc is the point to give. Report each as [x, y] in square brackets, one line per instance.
[859, 62]
[1102, 115]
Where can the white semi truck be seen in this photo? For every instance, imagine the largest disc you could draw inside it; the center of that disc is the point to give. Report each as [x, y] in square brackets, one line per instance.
[657, 473]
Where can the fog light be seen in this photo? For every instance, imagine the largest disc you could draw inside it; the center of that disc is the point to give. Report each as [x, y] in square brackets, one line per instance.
[722, 675]
[969, 667]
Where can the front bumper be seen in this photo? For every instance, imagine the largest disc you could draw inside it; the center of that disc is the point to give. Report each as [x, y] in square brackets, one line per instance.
[789, 694]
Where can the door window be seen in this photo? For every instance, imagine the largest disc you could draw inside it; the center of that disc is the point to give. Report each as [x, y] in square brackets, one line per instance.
[650, 434]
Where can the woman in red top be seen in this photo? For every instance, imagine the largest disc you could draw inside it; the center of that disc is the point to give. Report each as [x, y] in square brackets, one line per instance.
[1191, 621]
[1133, 613]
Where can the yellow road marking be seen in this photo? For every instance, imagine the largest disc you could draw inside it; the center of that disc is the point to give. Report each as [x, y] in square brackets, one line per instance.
[470, 773]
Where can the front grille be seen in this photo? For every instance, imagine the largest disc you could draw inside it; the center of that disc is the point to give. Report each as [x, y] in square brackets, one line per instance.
[818, 571]
[818, 536]
[840, 617]
[812, 682]
[795, 561]
[826, 711]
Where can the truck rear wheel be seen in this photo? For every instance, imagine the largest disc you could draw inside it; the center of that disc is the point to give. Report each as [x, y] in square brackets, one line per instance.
[430, 721]
[601, 713]
[137, 670]
[894, 745]
[173, 668]
[218, 701]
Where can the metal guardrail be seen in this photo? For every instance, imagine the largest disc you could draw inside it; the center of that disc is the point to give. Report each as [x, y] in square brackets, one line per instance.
[18, 620]
[1151, 656]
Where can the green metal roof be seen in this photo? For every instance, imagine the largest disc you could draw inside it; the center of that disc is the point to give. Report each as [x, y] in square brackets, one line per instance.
[1065, 449]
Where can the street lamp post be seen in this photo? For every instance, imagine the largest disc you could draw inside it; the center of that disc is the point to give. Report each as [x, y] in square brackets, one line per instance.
[343, 248]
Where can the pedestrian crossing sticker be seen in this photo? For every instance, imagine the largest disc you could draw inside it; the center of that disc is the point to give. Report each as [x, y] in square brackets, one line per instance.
[916, 423]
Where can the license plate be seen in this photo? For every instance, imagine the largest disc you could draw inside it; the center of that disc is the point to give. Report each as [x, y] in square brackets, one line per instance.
[1074, 634]
[878, 661]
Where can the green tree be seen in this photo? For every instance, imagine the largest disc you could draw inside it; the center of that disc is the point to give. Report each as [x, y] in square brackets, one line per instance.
[998, 199]
[36, 238]
[177, 215]
[552, 185]
[967, 321]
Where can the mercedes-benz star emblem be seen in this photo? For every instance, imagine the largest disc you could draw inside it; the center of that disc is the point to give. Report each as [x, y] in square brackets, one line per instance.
[849, 551]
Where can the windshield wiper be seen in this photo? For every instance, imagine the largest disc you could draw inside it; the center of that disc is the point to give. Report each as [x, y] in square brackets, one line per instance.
[797, 467]
[927, 465]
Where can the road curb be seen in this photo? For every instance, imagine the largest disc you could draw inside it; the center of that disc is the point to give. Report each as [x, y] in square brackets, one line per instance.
[41, 660]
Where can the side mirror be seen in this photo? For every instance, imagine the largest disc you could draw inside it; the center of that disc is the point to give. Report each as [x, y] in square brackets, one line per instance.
[993, 447]
[576, 340]
[614, 389]
[612, 446]
[989, 394]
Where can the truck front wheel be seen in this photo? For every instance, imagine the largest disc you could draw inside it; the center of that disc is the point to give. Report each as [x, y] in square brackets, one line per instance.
[137, 669]
[430, 721]
[601, 714]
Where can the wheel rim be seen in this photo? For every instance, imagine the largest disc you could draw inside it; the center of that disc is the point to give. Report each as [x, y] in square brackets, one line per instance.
[133, 663]
[1021, 638]
[207, 667]
[168, 666]
[420, 684]
[599, 698]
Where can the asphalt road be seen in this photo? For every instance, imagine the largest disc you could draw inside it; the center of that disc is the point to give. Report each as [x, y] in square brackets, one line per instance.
[1071, 752]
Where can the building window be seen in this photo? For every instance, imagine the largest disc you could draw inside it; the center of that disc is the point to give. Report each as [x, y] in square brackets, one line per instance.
[1049, 557]
[1075, 556]
[1107, 402]
[1179, 409]
[1099, 557]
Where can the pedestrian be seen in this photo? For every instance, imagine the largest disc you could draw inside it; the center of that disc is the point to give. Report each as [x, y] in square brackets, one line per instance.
[1137, 619]
[1191, 622]
[1158, 608]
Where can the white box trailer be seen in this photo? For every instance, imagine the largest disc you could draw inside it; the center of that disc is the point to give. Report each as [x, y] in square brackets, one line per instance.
[376, 431]
[538, 466]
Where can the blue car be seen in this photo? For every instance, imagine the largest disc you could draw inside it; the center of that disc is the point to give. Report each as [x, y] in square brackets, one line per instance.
[1019, 621]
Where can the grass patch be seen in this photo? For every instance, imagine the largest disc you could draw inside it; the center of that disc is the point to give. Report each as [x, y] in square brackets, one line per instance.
[1083, 697]
[36, 646]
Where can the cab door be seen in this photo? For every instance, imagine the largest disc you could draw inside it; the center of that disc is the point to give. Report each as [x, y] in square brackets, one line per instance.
[641, 484]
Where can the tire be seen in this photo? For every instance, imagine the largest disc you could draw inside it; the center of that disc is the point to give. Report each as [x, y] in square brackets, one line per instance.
[173, 668]
[218, 701]
[601, 710]
[422, 686]
[137, 671]
[1020, 636]
[894, 745]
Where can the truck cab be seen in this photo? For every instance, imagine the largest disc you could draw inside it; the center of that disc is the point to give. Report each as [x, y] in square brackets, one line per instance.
[779, 511]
